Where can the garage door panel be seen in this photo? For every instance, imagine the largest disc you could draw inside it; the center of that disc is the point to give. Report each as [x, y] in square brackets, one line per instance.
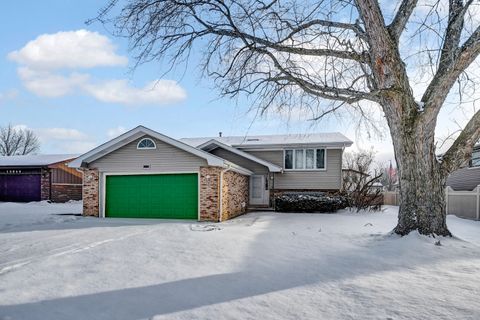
[20, 188]
[172, 196]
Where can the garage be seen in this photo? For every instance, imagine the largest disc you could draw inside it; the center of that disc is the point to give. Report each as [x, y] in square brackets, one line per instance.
[20, 187]
[165, 196]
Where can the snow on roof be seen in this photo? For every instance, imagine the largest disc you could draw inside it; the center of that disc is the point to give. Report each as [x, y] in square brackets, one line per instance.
[34, 160]
[326, 138]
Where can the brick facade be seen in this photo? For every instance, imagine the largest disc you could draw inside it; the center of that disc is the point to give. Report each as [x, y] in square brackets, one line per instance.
[209, 193]
[91, 192]
[45, 184]
[234, 194]
[66, 192]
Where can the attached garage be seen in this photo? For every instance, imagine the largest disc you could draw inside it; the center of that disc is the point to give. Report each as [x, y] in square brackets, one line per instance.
[145, 174]
[166, 196]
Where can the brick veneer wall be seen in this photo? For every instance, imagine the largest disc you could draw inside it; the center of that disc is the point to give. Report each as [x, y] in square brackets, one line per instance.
[90, 192]
[234, 194]
[209, 193]
[45, 185]
[66, 192]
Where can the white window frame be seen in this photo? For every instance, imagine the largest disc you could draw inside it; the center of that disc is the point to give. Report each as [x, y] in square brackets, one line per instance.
[305, 159]
[146, 148]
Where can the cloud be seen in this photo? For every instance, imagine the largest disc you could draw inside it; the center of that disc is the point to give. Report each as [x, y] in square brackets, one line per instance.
[8, 95]
[47, 84]
[119, 91]
[48, 67]
[70, 49]
[115, 132]
[61, 140]
[45, 134]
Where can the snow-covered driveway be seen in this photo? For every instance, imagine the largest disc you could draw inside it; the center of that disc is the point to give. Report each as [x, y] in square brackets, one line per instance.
[258, 266]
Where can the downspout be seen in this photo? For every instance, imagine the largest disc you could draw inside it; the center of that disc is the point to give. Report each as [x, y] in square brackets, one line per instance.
[220, 206]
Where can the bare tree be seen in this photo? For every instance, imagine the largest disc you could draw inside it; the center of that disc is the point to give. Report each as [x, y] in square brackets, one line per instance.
[353, 53]
[360, 180]
[389, 176]
[17, 141]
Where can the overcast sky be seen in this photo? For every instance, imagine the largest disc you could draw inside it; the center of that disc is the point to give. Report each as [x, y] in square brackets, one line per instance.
[74, 86]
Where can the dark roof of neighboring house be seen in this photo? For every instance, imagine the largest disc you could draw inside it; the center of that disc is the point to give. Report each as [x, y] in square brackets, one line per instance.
[465, 179]
[39, 160]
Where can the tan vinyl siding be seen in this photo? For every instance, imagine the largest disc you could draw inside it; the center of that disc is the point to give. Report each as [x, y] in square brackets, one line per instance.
[165, 158]
[307, 179]
[239, 160]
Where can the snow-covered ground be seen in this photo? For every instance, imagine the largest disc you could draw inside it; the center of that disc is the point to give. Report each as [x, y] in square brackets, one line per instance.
[258, 266]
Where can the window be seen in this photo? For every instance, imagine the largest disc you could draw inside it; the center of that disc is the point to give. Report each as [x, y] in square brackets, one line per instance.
[475, 158]
[320, 158]
[305, 159]
[299, 159]
[146, 143]
[288, 159]
[309, 159]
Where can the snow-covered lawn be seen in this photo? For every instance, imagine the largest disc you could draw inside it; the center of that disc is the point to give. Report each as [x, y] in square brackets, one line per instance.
[258, 266]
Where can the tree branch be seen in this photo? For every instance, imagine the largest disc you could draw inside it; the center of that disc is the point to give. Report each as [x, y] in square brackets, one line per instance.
[401, 18]
[444, 79]
[462, 148]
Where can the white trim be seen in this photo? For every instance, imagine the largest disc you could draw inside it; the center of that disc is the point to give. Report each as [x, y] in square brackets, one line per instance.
[305, 159]
[136, 133]
[104, 175]
[271, 167]
[146, 148]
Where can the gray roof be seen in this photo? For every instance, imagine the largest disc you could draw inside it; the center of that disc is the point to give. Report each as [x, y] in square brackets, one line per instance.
[465, 179]
[38, 160]
[327, 138]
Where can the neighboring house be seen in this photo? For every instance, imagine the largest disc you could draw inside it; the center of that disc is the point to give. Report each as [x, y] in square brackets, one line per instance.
[39, 177]
[145, 174]
[377, 186]
[468, 177]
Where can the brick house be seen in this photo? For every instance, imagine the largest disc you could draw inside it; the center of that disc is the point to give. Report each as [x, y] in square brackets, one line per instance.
[145, 174]
[39, 177]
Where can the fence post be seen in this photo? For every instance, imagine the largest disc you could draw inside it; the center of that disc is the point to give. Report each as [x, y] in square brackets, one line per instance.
[478, 202]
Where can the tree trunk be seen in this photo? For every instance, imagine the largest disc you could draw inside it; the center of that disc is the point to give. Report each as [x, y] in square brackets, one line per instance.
[422, 182]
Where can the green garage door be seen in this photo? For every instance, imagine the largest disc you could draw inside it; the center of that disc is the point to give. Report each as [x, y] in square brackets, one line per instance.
[167, 196]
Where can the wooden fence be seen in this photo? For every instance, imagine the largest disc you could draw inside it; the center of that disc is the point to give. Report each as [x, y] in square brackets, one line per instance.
[391, 198]
[463, 204]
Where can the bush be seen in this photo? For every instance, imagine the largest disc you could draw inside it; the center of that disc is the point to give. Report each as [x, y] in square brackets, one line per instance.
[309, 202]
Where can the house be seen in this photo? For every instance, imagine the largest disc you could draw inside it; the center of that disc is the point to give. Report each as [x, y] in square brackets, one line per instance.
[467, 178]
[39, 177]
[145, 174]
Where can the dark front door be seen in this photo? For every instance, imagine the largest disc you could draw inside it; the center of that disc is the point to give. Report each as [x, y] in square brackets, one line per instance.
[20, 188]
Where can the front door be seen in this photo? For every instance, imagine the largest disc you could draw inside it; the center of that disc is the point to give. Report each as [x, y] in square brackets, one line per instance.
[258, 190]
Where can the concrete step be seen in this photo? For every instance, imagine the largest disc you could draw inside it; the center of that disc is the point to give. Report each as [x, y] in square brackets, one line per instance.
[260, 208]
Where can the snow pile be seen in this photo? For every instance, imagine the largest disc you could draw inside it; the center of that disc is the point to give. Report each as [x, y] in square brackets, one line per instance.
[262, 265]
[35, 213]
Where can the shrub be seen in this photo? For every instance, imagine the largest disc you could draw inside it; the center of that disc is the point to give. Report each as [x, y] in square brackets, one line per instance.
[309, 202]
